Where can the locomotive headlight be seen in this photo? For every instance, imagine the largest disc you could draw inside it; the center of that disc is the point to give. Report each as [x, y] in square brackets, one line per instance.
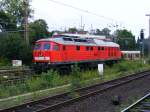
[35, 58]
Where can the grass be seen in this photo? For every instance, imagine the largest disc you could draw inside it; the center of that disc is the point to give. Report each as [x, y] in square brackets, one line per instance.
[16, 100]
[76, 79]
[4, 62]
[44, 81]
[124, 68]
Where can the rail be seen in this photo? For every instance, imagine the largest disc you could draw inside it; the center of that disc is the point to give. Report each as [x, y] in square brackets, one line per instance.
[136, 103]
[10, 76]
[55, 102]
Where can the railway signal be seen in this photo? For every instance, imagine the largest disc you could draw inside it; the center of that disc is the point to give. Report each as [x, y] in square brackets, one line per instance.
[142, 42]
[149, 35]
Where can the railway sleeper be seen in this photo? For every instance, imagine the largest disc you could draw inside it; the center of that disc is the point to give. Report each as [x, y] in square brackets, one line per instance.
[146, 104]
[144, 110]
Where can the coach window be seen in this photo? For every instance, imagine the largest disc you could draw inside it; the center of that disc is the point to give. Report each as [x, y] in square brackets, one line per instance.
[102, 48]
[56, 48]
[136, 55]
[77, 48]
[64, 48]
[99, 48]
[46, 46]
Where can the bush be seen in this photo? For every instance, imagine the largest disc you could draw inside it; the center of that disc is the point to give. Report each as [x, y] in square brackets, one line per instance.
[76, 77]
[4, 61]
[52, 78]
[123, 67]
[148, 61]
[13, 47]
[36, 84]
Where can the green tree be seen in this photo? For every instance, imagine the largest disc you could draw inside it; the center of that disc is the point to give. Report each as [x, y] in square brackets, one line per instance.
[12, 14]
[39, 29]
[98, 32]
[6, 22]
[13, 47]
[16, 9]
[104, 31]
[72, 30]
[125, 39]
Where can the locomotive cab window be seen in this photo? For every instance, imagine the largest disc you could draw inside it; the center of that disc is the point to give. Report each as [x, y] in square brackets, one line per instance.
[56, 48]
[37, 46]
[46, 46]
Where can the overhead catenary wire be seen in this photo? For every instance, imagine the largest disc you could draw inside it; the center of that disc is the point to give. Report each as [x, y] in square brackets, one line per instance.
[83, 10]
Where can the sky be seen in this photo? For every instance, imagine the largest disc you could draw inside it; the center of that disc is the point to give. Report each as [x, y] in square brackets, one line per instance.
[129, 14]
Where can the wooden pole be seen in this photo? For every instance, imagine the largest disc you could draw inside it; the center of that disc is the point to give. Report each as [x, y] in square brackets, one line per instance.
[26, 35]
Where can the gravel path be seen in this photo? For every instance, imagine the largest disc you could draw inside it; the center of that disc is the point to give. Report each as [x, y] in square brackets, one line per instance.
[103, 101]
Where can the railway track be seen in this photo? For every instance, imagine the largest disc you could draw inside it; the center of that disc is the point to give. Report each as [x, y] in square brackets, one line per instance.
[11, 76]
[142, 105]
[58, 101]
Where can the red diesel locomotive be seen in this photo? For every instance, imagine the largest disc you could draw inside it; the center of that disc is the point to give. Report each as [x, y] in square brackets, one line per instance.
[65, 49]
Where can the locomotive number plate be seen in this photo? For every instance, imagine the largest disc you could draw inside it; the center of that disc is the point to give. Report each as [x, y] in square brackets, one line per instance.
[42, 58]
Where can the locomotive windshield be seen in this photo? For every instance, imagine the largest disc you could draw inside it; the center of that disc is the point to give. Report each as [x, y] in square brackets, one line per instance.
[37, 46]
[42, 46]
[46, 46]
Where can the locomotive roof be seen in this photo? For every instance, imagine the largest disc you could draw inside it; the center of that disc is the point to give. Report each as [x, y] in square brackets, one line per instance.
[80, 41]
[131, 52]
[85, 36]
